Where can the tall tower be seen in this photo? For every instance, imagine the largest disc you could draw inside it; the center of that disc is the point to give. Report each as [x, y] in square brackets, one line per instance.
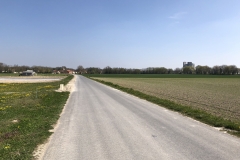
[184, 64]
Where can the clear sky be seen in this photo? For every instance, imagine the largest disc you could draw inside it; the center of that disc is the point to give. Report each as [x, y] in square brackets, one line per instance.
[119, 33]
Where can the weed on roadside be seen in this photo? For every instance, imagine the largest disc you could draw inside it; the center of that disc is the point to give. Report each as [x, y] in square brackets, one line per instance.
[27, 113]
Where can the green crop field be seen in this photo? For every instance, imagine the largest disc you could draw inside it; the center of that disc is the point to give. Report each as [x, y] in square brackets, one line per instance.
[27, 113]
[218, 95]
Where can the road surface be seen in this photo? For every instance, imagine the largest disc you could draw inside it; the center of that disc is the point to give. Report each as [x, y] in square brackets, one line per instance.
[101, 123]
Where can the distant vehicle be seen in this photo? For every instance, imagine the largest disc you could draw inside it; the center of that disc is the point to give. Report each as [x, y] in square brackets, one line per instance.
[27, 73]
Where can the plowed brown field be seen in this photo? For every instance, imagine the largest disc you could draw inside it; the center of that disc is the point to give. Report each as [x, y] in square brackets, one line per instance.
[219, 96]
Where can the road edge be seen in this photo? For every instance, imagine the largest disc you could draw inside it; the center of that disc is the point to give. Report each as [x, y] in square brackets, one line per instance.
[40, 150]
[219, 123]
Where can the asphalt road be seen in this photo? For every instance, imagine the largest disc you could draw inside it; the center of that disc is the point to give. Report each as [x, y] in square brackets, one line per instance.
[103, 123]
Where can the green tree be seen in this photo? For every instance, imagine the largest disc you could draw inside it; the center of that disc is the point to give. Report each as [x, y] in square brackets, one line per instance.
[188, 70]
[233, 69]
[107, 70]
[80, 69]
[199, 69]
[177, 71]
[216, 70]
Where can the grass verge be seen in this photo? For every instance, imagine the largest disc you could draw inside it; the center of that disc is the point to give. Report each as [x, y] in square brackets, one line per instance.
[200, 115]
[27, 113]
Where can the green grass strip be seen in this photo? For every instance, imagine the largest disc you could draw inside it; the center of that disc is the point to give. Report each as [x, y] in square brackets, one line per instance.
[33, 116]
[200, 115]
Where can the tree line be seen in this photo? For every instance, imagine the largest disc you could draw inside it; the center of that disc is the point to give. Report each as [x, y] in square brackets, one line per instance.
[215, 70]
[4, 68]
[120, 70]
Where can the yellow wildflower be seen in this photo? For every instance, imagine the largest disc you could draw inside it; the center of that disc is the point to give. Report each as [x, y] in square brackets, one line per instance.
[7, 146]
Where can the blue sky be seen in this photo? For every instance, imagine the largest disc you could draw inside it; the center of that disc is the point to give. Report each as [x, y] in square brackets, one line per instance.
[120, 33]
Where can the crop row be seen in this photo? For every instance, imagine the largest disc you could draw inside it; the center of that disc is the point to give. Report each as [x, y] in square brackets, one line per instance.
[217, 96]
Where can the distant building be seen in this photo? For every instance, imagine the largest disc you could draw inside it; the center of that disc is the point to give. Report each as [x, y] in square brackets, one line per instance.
[64, 71]
[70, 71]
[27, 73]
[55, 72]
[190, 64]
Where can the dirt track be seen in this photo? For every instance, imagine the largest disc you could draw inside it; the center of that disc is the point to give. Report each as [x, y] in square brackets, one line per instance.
[36, 79]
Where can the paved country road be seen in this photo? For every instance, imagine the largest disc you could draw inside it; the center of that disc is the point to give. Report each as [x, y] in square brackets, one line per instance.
[103, 123]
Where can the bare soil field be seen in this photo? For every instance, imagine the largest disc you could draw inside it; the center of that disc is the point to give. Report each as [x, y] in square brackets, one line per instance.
[219, 96]
[32, 79]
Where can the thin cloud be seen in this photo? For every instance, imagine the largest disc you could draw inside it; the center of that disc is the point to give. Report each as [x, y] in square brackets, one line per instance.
[178, 15]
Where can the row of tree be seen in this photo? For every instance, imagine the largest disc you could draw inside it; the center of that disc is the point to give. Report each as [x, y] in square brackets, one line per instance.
[215, 70]
[4, 68]
[109, 70]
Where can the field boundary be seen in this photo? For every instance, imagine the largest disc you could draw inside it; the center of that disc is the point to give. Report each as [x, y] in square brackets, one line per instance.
[197, 114]
[159, 76]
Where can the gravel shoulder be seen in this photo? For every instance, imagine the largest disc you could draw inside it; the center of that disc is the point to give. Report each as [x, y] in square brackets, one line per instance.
[41, 149]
